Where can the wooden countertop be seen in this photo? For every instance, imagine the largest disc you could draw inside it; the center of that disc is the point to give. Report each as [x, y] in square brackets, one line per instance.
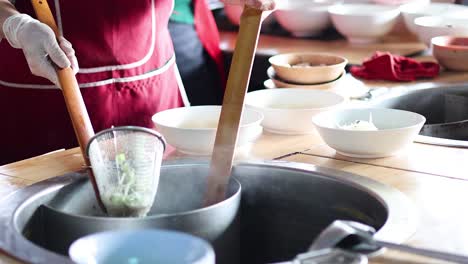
[434, 178]
[440, 200]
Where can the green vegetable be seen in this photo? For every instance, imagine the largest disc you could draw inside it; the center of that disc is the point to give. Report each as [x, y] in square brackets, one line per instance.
[126, 192]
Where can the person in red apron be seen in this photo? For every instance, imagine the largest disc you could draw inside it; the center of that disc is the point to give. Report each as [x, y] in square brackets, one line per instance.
[127, 70]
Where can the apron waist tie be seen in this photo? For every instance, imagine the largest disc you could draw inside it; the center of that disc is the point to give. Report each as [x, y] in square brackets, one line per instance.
[143, 76]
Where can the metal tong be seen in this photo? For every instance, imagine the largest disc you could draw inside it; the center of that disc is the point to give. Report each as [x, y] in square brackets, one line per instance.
[350, 235]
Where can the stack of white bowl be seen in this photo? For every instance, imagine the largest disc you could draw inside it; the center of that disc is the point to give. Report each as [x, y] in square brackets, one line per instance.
[443, 27]
[192, 130]
[366, 21]
[436, 19]
[359, 21]
[307, 70]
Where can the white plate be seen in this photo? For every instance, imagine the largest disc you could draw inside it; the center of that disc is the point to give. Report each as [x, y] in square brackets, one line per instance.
[346, 86]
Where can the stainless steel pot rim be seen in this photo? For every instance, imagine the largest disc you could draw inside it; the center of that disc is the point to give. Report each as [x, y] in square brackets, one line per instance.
[454, 123]
[399, 226]
[403, 217]
[195, 211]
[441, 141]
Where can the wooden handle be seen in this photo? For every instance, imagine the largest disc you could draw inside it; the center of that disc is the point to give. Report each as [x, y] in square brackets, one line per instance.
[72, 95]
[71, 91]
[43, 14]
[76, 108]
[233, 102]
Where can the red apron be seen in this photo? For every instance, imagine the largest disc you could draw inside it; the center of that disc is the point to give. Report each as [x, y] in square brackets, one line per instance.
[127, 73]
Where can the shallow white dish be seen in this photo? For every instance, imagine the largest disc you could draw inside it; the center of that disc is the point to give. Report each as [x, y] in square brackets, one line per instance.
[397, 130]
[412, 11]
[278, 82]
[290, 111]
[141, 246]
[346, 87]
[363, 23]
[432, 26]
[304, 18]
[192, 130]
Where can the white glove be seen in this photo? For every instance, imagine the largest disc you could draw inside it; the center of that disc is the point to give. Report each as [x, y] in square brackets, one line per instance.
[40, 47]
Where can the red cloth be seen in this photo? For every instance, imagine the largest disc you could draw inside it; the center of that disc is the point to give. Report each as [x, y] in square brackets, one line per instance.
[206, 28]
[386, 66]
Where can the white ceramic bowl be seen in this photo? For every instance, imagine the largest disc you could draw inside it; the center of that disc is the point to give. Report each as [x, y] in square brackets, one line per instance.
[433, 26]
[304, 18]
[451, 52]
[141, 246]
[397, 130]
[364, 23]
[414, 10]
[321, 67]
[290, 111]
[192, 130]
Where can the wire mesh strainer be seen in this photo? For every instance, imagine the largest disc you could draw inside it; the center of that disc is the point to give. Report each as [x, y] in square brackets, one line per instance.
[126, 162]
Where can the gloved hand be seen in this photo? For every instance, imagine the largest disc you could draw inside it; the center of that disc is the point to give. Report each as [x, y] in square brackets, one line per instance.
[40, 46]
[264, 5]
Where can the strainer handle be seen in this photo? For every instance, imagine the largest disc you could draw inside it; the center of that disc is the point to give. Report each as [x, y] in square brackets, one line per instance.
[71, 91]
[72, 95]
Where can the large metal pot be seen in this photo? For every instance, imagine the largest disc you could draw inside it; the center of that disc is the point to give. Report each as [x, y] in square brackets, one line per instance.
[73, 212]
[284, 206]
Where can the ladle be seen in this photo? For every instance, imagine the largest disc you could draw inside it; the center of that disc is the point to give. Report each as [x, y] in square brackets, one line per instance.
[350, 234]
[233, 103]
[72, 95]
